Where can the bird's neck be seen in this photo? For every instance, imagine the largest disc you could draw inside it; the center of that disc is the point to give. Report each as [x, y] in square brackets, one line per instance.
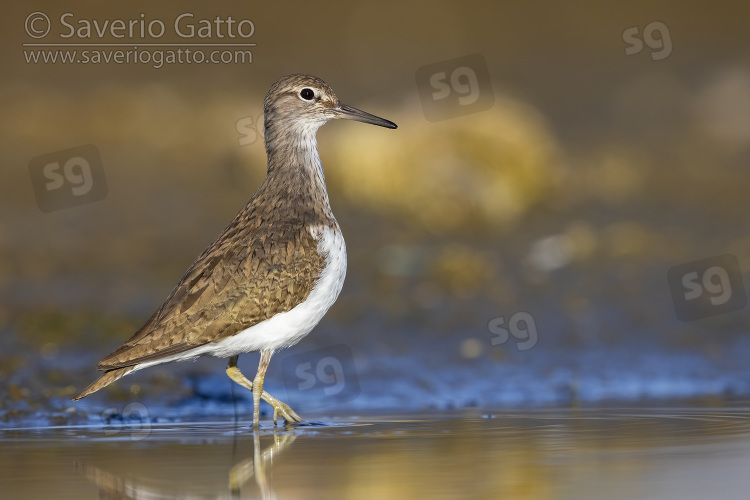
[295, 172]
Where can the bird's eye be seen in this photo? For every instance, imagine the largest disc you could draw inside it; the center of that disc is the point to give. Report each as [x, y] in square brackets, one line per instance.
[307, 94]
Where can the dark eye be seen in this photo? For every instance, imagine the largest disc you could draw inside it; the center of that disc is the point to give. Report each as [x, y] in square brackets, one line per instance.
[307, 94]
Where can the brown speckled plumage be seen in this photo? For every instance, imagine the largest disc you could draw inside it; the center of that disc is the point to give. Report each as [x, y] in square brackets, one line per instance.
[265, 262]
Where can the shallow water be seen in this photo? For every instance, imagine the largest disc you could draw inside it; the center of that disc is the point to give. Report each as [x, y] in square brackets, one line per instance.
[540, 454]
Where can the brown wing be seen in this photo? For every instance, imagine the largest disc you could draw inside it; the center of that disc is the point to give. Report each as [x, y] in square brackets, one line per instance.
[253, 271]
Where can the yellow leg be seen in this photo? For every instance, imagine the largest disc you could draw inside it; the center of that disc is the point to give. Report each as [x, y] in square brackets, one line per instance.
[265, 360]
[278, 406]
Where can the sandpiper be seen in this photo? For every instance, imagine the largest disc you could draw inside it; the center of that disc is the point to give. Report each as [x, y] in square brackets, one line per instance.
[272, 274]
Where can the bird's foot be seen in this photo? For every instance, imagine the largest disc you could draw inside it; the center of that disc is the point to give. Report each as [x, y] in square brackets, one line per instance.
[283, 409]
[286, 412]
[279, 407]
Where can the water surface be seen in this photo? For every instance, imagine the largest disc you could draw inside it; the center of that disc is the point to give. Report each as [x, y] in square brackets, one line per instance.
[536, 454]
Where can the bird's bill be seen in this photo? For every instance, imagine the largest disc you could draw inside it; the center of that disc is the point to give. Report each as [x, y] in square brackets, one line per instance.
[350, 113]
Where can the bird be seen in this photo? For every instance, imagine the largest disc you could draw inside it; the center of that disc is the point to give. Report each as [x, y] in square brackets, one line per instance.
[272, 273]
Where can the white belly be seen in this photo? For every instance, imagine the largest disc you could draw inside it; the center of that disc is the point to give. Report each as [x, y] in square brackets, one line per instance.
[287, 328]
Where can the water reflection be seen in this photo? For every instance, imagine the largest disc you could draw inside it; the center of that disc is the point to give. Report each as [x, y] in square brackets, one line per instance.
[255, 467]
[524, 455]
[113, 486]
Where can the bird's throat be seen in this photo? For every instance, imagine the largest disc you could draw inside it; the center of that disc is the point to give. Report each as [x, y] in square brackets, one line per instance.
[295, 170]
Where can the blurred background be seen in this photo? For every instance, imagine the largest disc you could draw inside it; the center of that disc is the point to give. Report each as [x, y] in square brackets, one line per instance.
[510, 244]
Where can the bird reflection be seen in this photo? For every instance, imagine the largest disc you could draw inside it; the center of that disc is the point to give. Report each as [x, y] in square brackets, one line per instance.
[256, 467]
[121, 487]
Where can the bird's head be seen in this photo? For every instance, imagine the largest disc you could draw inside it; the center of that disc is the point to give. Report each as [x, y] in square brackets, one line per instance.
[307, 101]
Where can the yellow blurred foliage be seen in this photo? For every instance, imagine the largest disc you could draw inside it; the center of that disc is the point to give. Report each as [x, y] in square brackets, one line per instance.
[483, 169]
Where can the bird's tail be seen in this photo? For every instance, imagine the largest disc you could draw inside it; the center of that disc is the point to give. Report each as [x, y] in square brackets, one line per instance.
[107, 378]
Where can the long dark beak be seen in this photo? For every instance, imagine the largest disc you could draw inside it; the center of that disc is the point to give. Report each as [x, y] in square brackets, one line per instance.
[350, 113]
